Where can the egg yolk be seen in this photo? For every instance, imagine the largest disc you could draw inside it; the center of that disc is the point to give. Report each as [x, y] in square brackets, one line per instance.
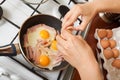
[54, 45]
[44, 60]
[44, 34]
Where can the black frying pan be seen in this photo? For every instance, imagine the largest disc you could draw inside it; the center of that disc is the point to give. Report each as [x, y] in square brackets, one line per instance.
[34, 20]
[40, 19]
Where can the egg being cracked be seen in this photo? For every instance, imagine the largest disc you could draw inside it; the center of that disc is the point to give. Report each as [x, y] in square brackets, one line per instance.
[104, 43]
[102, 33]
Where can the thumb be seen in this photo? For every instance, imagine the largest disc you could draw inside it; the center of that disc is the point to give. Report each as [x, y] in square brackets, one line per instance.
[66, 34]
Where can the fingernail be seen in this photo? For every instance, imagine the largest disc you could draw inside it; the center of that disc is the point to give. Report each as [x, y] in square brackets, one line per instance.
[58, 33]
[57, 36]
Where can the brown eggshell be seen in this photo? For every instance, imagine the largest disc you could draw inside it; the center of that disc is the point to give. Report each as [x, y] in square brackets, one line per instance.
[109, 33]
[116, 63]
[108, 53]
[115, 52]
[112, 43]
[102, 33]
[104, 43]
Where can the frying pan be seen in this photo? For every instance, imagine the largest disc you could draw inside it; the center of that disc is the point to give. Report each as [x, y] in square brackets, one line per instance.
[1, 12]
[32, 21]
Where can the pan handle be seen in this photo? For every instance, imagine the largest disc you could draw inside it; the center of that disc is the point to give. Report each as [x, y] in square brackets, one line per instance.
[10, 50]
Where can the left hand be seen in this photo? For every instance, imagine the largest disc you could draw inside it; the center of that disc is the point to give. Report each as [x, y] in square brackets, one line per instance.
[87, 11]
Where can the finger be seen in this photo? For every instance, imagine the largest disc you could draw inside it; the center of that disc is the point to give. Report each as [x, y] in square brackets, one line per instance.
[66, 34]
[70, 19]
[79, 36]
[61, 49]
[60, 40]
[70, 28]
[62, 52]
[66, 17]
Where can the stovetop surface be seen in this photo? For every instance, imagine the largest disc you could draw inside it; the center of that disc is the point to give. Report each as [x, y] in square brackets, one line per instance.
[15, 12]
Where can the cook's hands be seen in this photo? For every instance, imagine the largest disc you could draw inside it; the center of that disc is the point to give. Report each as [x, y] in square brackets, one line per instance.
[87, 11]
[74, 49]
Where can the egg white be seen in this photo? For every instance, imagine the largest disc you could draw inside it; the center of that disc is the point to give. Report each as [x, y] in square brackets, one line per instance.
[33, 38]
[34, 34]
[53, 56]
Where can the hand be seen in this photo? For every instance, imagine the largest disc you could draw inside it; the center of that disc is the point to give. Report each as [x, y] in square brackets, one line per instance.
[77, 52]
[74, 49]
[87, 12]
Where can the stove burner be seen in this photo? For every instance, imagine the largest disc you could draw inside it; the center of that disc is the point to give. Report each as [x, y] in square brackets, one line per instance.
[1, 12]
[63, 10]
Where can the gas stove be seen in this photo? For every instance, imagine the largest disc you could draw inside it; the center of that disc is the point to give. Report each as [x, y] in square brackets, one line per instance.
[15, 12]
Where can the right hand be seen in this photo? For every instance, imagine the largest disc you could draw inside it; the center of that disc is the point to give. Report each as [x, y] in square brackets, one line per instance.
[87, 12]
[74, 49]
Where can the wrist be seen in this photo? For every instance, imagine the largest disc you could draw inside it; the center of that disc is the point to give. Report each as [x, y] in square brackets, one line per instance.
[98, 6]
[88, 64]
[106, 6]
[90, 72]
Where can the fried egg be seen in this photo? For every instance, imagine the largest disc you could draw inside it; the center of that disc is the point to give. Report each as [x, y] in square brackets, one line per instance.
[40, 33]
[48, 59]
[42, 55]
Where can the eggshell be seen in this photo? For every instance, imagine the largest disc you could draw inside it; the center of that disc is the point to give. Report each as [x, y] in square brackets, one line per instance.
[116, 63]
[115, 52]
[108, 53]
[105, 43]
[109, 33]
[112, 43]
[102, 33]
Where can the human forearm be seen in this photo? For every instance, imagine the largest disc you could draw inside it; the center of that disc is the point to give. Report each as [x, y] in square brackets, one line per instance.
[107, 5]
[90, 71]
